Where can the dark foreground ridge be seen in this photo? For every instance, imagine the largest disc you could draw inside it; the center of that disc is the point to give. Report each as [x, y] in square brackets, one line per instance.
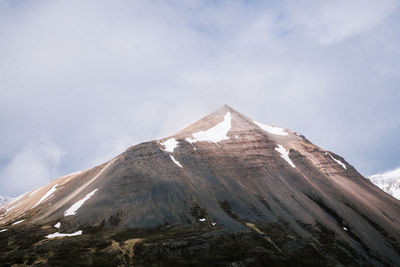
[225, 191]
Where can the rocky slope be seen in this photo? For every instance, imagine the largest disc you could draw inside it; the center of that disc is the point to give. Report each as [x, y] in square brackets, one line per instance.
[388, 182]
[225, 190]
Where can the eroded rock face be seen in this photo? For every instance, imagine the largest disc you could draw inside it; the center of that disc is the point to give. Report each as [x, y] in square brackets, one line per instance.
[224, 175]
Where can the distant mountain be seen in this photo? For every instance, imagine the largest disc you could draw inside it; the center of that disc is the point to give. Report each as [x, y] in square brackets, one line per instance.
[225, 191]
[5, 200]
[388, 182]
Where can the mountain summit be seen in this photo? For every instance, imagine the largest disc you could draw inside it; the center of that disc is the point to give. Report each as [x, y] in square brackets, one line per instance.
[224, 190]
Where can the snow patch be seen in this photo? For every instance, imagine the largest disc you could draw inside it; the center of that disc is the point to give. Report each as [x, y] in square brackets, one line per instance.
[338, 162]
[202, 219]
[57, 234]
[18, 222]
[175, 161]
[285, 154]
[215, 134]
[395, 193]
[3, 230]
[390, 175]
[57, 225]
[271, 129]
[48, 194]
[170, 144]
[344, 228]
[388, 182]
[74, 208]
[213, 223]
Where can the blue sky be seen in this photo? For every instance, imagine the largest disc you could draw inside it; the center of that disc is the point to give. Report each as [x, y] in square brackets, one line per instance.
[80, 81]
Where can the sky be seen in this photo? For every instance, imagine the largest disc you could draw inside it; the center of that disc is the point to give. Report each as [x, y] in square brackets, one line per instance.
[81, 81]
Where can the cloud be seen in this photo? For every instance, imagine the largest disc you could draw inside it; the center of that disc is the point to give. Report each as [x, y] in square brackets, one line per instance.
[33, 166]
[99, 76]
[333, 21]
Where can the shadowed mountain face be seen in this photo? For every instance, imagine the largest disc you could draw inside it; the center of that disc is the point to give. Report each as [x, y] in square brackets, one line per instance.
[224, 190]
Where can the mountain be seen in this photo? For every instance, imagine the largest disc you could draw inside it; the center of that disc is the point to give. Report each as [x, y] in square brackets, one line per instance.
[5, 200]
[388, 182]
[224, 191]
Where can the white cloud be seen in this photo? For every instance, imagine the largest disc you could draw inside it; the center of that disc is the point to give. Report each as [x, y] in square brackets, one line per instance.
[110, 148]
[31, 167]
[334, 21]
[98, 76]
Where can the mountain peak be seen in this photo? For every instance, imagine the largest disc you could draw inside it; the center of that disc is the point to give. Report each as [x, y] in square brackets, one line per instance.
[220, 175]
[222, 110]
[228, 121]
[225, 118]
[226, 108]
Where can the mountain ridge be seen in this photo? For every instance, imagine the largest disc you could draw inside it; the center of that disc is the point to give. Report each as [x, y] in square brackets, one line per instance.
[225, 176]
[388, 181]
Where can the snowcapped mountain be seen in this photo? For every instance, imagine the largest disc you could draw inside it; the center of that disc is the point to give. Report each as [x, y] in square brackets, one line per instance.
[5, 200]
[226, 191]
[388, 182]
